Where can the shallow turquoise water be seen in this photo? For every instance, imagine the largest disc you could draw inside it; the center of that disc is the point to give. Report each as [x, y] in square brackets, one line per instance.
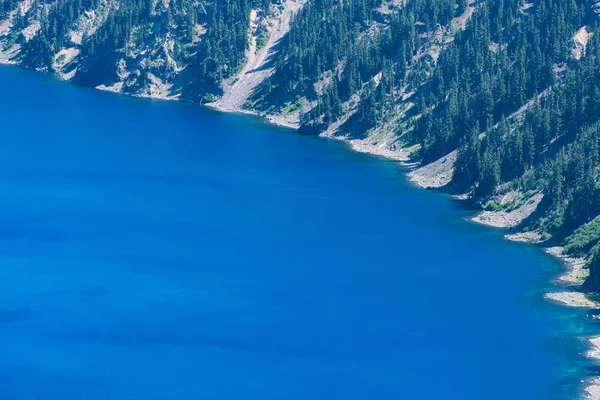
[154, 250]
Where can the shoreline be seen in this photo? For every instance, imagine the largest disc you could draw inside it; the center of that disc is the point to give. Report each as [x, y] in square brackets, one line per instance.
[572, 276]
[592, 388]
[275, 120]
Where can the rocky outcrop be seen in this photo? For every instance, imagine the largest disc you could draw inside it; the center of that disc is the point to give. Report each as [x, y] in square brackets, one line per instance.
[259, 59]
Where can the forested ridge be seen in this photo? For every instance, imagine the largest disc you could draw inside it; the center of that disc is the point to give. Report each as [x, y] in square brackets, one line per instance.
[127, 40]
[506, 91]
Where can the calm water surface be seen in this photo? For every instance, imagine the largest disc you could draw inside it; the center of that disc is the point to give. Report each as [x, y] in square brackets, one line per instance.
[155, 251]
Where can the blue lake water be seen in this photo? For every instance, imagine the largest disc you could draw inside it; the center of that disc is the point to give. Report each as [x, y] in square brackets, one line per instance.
[155, 250]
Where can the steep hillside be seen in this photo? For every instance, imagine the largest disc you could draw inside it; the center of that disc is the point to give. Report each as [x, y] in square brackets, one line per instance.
[498, 99]
[170, 48]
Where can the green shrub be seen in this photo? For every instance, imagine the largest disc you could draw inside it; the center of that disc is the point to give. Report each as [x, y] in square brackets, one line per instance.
[583, 239]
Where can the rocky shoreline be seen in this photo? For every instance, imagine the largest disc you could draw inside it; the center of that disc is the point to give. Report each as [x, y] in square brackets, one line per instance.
[439, 174]
[573, 277]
